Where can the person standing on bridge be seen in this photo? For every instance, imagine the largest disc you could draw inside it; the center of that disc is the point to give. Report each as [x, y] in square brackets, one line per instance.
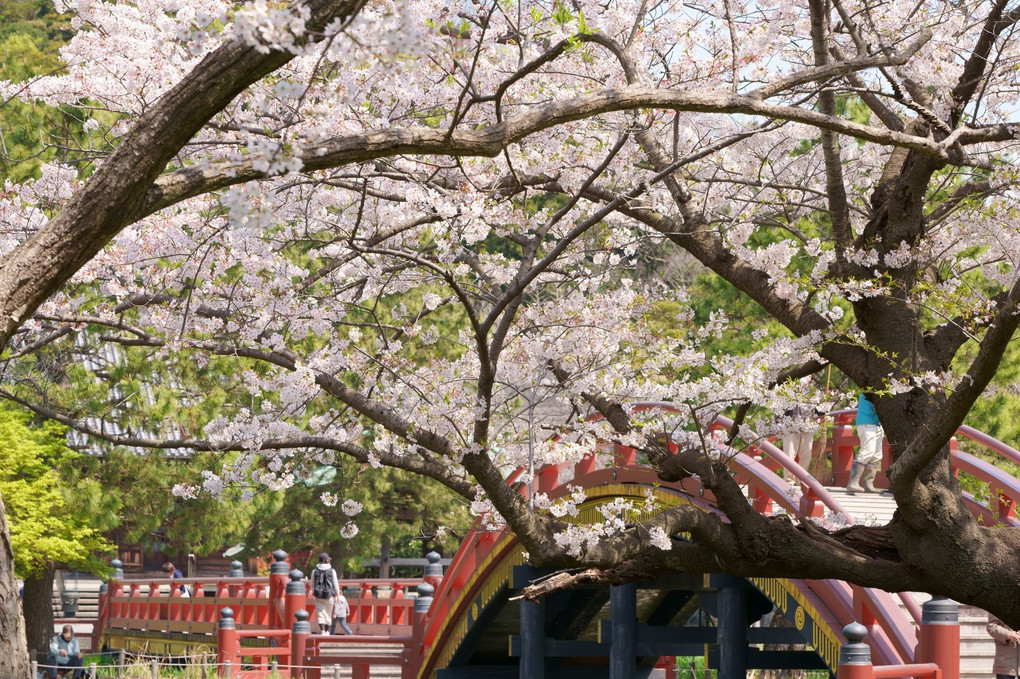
[869, 455]
[1007, 648]
[341, 609]
[800, 434]
[325, 586]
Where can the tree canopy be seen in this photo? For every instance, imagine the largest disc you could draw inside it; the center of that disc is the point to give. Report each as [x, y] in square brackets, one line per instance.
[47, 524]
[415, 228]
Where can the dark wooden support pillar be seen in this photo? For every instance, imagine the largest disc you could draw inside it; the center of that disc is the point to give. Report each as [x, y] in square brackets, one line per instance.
[623, 613]
[532, 639]
[732, 630]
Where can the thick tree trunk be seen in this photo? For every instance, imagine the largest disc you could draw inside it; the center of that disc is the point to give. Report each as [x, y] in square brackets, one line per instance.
[38, 608]
[13, 658]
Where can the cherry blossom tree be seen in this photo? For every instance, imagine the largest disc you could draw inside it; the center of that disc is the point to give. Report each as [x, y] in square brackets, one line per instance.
[429, 237]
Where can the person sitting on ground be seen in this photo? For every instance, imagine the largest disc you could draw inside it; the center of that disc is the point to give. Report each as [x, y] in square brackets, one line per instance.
[341, 609]
[1007, 641]
[869, 455]
[65, 653]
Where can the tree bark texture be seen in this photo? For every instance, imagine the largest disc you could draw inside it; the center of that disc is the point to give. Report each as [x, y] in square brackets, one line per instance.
[13, 656]
[37, 604]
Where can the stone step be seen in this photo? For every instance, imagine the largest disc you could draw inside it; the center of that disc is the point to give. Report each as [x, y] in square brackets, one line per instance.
[346, 672]
[361, 649]
[367, 649]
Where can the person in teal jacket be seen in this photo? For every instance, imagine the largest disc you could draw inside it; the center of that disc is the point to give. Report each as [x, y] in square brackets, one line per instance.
[869, 455]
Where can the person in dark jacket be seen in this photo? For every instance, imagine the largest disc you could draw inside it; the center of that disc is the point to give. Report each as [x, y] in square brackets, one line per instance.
[174, 573]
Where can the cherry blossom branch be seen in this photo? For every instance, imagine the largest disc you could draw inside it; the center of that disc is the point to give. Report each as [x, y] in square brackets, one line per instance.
[491, 141]
[111, 198]
[997, 21]
[613, 411]
[824, 70]
[835, 187]
[877, 106]
[440, 472]
[857, 554]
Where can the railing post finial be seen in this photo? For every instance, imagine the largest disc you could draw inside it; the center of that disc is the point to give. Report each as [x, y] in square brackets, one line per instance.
[296, 584]
[279, 564]
[854, 655]
[227, 618]
[424, 600]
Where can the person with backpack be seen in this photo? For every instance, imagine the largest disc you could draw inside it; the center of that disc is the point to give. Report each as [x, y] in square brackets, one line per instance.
[325, 587]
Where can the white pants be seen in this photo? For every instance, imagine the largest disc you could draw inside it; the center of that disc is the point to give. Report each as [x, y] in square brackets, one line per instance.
[871, 444]
[797, 446]
[324, 614]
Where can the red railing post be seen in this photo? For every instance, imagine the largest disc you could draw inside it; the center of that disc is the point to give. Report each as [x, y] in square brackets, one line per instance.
[862, 609]
[157, 611]
[854, 655]
[295, 597]
[414, 653]
[548, 478]
[104, 613]
[227, 644]
[174, 607]
[586, 465]
[399, 615]
[667, 664]
[383, 605]
[367, 604]
[277, 591]
[938, 639]
[300, 632]
[809, 503]
[624, 456]
[433, 569]
[844, 440]
[248, 608]
[135, 609]
[199, 609]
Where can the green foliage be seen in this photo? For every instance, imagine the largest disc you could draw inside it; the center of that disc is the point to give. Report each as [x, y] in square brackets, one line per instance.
[710, 294]
[997, 411]
[32, 134]
[138, 500]
[47, 521]
[397, 507]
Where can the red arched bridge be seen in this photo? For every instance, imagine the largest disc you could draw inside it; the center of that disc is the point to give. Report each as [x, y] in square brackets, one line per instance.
[465, 622]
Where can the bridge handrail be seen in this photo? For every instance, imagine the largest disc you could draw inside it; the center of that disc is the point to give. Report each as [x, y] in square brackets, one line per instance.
[990, 442]
[816, 488]
[258, 580]
[1005, 487]
[158, 605]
